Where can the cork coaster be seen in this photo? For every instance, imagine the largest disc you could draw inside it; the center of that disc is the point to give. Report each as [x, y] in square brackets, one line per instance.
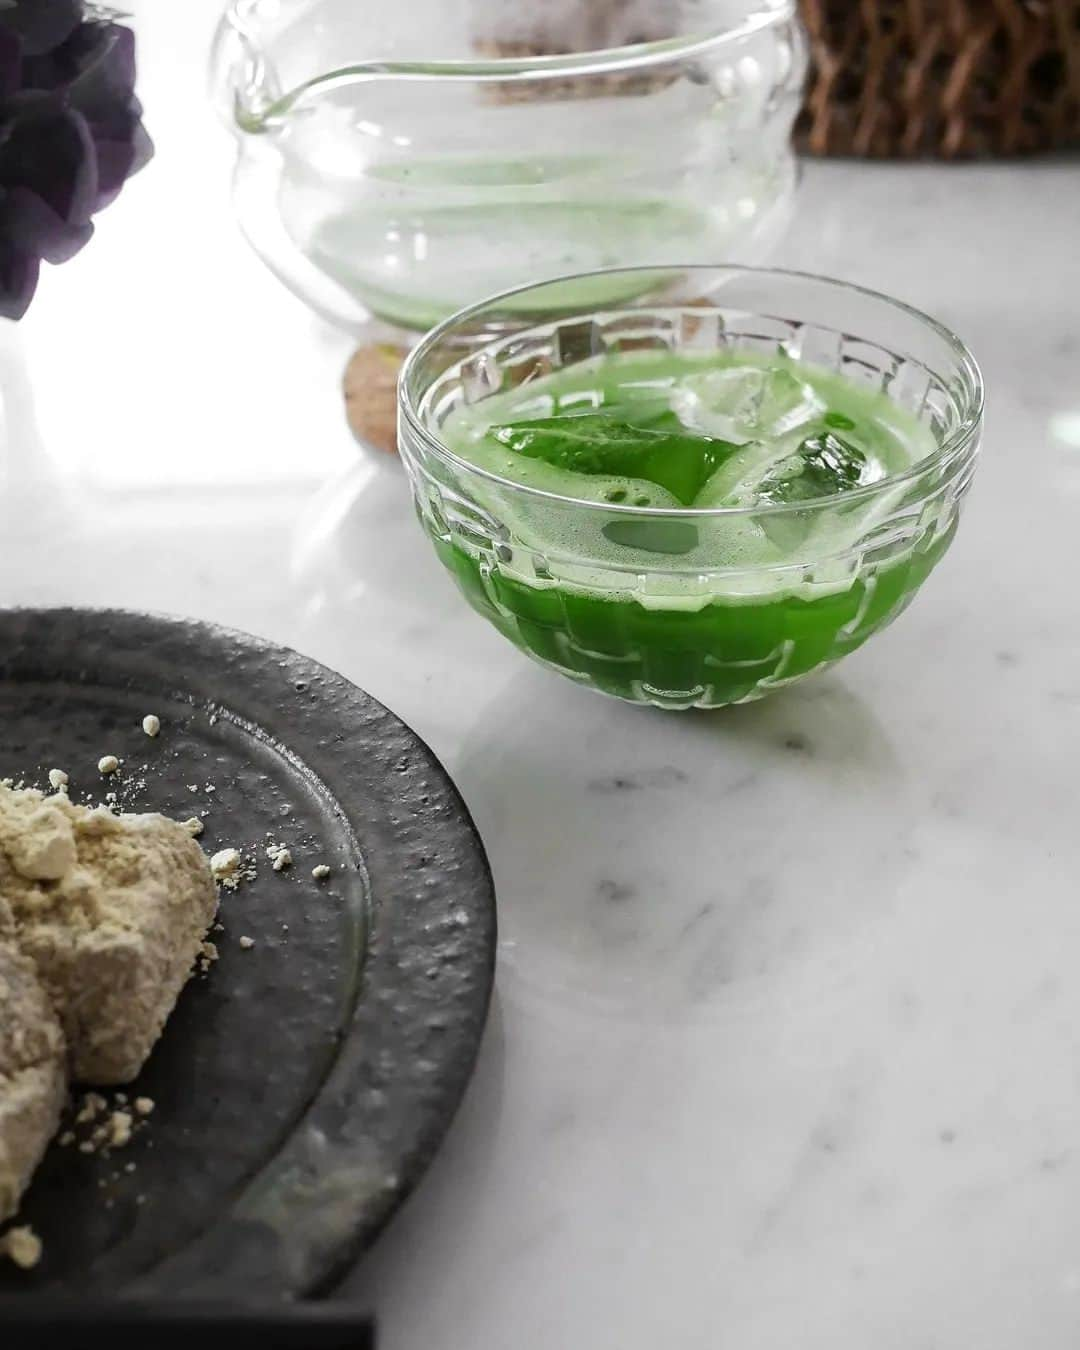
[370, 388]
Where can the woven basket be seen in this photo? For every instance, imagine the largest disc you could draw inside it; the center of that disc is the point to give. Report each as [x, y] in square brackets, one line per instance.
[947, 78]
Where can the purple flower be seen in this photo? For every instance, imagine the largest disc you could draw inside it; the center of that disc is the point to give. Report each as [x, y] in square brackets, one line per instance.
[70, 134]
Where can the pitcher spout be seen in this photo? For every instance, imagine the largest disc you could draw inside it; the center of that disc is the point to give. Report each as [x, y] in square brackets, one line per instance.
[244, 84]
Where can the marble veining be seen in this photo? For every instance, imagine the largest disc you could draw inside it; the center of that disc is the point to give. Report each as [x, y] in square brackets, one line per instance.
[785, 1053]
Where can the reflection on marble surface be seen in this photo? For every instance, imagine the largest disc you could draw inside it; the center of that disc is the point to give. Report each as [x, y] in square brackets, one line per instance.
[786, 1049]
[625, 898]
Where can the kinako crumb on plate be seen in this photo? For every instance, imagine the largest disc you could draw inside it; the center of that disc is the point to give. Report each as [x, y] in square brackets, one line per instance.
[104, 1127]
[225, 864]
[151, 724]
[143, 1105]
[58, 779]
[321, 872]
[91, 1106]
[21, 1245]
[119, 1129]
[108, 764]
[230, 868]
[247, 942]
[279, 856]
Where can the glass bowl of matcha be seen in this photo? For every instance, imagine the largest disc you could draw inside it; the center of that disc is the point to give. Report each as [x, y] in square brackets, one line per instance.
[696, 495]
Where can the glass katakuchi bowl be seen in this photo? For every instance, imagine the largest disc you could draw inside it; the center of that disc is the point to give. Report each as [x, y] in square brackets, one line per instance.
[398, 162]
[690, 607]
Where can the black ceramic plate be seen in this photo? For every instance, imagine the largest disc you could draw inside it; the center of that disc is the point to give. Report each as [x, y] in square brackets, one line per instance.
[303, 1084]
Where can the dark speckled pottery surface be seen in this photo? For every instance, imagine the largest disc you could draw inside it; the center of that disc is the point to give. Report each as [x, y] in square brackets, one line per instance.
[303, 1084]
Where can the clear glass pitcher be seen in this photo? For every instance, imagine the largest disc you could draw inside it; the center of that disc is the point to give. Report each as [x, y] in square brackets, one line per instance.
[404, 160]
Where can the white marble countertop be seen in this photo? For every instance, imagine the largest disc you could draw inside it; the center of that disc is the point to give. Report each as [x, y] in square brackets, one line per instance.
[785, 1050]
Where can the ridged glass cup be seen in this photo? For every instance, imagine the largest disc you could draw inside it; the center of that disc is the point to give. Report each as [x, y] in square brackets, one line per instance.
[697, 629]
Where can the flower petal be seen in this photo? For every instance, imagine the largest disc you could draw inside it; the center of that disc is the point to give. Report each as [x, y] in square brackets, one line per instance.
[42, 24]
[95, 69]
[98, 59]
[142, 146]
[71, 133]
[32, 226]
[121, 152]
[48, 148]
[18, 280]
[115, 160]
[11, 52]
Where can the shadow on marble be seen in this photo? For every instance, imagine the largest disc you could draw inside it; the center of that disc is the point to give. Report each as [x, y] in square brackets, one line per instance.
[679, 865]
[822, 719]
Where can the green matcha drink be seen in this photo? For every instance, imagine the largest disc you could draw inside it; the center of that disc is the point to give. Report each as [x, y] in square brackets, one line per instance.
[670, 431]
[695, 524]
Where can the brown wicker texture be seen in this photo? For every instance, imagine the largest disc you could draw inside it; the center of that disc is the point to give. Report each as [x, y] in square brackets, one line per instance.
[947, 78]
